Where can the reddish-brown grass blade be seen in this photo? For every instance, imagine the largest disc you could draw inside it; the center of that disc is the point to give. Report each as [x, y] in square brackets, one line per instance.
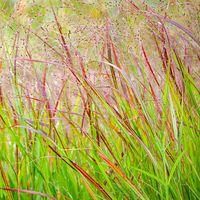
[35, 60]
[28, 192]
[120, 173]
[64, 44]
[149, 65]
[33, 98]
[74, 166]
[5, 180]
[178, 26]
[133, 5]
[81, 64]
[16, 53]
[1, 65]
[156, 103]
[58, 100]
[109, 52]
[89, 178]
[90, 190]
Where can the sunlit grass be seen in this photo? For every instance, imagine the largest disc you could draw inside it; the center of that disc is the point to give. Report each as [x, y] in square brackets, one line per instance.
[117, 119]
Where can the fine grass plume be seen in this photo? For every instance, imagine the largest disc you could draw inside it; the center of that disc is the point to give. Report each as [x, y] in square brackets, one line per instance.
[99, 100]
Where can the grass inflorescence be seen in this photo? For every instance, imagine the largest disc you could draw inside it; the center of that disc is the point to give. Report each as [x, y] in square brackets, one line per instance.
[115, 116]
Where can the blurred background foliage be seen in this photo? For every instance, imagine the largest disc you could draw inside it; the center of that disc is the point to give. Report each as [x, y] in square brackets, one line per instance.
[38, 12]
[29, 32]
[83, 23]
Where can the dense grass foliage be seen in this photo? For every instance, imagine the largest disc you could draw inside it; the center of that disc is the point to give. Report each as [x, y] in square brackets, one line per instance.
[99, 100]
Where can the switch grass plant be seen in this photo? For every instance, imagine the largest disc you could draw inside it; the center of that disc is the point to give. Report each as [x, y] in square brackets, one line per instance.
[132, 132]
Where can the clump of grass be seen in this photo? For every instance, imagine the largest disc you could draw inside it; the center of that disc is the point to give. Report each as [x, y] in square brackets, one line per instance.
[131, 133]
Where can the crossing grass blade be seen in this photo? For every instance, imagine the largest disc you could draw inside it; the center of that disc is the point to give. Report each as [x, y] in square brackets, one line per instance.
[100, 107]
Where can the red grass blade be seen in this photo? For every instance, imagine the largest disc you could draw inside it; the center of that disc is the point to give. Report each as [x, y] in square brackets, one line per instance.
[178, 26]
[28, 192]
[120, 173]
[89, 178]
[58, 100]
[35, 60]
[64, 44]
[5, 180]
[149, 65]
